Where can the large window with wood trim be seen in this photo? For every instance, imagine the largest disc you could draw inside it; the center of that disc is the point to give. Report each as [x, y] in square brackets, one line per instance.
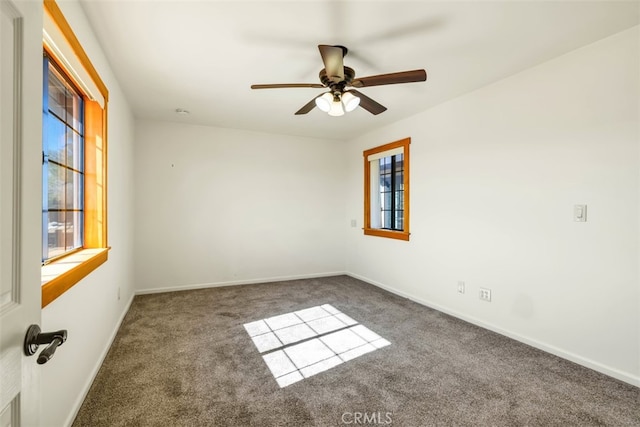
[74, 157]
[386, 190]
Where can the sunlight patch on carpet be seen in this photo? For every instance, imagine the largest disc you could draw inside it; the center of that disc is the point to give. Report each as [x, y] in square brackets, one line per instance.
[304, 343]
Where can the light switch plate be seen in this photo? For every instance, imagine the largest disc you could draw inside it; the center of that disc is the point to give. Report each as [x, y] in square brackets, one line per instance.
[580, 213]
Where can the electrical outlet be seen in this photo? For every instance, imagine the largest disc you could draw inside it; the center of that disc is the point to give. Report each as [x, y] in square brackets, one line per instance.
[461, 287]
[485, 294]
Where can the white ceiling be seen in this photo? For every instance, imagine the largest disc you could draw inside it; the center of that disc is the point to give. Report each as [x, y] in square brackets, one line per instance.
[204, 55]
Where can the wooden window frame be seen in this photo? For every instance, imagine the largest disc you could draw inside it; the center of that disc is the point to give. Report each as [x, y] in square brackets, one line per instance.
[380, 232]
[62, 274]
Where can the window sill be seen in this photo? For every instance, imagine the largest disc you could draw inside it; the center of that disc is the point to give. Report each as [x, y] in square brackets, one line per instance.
[399, 235]
[61, 275]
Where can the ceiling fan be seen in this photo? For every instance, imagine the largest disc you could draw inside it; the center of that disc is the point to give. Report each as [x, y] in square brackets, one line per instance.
[339, 79]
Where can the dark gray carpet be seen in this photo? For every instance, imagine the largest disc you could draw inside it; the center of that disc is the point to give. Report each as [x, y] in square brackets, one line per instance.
[185, 359]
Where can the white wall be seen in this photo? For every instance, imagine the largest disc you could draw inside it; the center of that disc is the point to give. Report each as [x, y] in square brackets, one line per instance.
[91, 311]
[494, 177]
[221, 206]
[495, 174]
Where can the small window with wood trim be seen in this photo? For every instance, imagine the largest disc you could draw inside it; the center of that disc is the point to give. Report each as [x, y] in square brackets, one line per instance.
[386, 190]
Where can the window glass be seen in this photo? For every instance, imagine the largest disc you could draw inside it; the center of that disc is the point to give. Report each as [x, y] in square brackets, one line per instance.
[391, 192]
[62, 164]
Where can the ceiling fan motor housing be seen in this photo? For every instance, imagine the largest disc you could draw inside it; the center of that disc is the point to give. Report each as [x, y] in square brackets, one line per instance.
[349, 75]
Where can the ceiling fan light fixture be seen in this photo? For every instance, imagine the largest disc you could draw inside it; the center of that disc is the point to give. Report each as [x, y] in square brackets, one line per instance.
[336, 109]
[324, 102]
[350, 101]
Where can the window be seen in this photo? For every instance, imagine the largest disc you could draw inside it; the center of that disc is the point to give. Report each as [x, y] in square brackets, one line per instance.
[386, 190]
[392, 192]
[62, 164]
[74, 222]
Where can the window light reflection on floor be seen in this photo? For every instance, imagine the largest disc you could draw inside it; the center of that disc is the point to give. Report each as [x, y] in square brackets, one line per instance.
[303, 343]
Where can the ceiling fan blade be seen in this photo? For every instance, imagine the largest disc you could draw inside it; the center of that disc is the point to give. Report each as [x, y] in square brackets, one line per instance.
[369, 104]
[391, 78]
[308, 106]
[332, 56]
[286, 85]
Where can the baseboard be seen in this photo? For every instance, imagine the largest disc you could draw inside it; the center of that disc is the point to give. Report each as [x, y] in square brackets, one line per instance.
[612, 372]
[236, 282]
[85, 390]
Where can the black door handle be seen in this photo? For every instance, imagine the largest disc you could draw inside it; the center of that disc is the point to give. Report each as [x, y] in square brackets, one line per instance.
[35, 338]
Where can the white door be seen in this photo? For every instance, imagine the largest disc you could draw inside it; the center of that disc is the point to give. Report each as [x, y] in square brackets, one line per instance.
[20, 206]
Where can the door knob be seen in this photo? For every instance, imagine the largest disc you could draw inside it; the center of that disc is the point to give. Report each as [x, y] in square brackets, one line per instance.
[35, 338]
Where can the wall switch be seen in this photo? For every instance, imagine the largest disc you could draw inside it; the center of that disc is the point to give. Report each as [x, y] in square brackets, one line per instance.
[353, 223]
[580, 213]
[461, 287]
[118, 293]
[485, 294]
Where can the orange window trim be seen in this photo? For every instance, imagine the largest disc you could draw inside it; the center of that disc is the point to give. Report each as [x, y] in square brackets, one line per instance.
[56, 287]
[95, 224]
[52, 8]
[368, 230]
